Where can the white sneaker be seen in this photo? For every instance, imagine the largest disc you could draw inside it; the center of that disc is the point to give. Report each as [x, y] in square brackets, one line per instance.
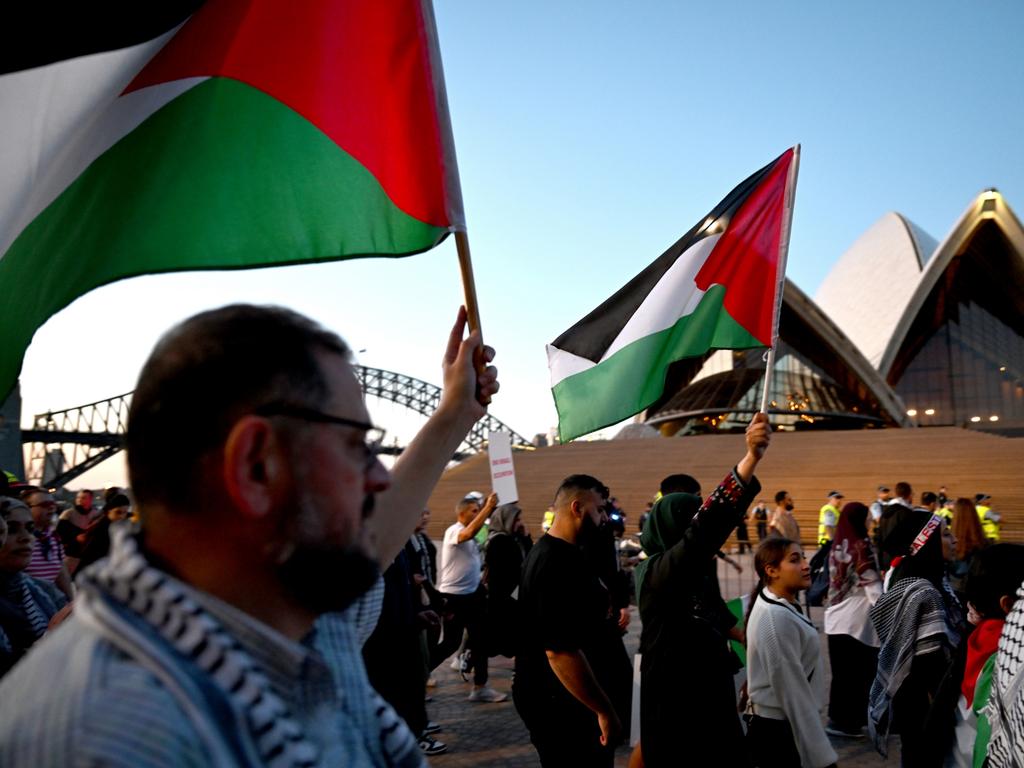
[487, 695]
[431, 746]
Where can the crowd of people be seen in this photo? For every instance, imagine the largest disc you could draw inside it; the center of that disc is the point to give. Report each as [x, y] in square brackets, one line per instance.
[266, 593]
[43, 550]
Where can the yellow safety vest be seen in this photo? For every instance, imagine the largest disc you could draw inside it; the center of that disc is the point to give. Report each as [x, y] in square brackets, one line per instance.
[989, 526]
[823, 535]
[549, 519]
[945, 512]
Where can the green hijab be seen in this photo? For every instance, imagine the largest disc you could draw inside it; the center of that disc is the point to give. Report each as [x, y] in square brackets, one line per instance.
[665, 526]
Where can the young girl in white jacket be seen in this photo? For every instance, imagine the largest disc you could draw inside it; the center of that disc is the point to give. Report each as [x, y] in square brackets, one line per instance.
[785, 673]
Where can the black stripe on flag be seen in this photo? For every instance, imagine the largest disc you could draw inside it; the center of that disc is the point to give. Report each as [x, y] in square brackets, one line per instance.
[591, 336]
[43, 33]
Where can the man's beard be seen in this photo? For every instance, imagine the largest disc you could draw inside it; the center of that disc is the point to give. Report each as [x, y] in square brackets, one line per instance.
[322, 577]
[326, 579]
[789, 507]
[589, 532]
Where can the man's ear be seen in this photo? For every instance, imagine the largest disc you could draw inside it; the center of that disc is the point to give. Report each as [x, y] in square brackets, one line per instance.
[253, 466]
[576, 507]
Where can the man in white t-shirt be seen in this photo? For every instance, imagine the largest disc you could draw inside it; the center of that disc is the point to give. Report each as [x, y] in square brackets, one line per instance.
[464, 595]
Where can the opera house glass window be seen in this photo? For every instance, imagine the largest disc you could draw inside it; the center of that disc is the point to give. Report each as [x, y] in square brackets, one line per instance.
[967, 373]
[805, 394]
[963, 359]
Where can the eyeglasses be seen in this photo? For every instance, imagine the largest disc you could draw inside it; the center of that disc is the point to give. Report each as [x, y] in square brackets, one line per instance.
[51, 505]
[14, 527]
[374, 435]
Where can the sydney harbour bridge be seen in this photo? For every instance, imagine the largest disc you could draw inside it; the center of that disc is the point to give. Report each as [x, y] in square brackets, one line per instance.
[65, 444]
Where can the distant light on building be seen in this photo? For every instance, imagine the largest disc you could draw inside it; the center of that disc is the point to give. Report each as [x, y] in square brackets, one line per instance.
[975, 418]
[929, 412]
[912, 412]
[993, 418]
[1002, 369]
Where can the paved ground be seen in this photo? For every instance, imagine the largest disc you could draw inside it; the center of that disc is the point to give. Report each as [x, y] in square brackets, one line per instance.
[493, 734]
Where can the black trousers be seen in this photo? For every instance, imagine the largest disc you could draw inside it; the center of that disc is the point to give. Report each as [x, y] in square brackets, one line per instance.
[563, 731]
[468, 612]
[853, 670]
[394, 665]
[771, 744]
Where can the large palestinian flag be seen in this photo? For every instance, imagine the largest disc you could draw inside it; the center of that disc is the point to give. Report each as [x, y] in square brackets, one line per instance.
[217, 135]
[716, 288]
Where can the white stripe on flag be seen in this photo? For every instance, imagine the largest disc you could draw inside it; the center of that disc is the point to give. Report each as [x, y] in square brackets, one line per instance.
[676, 295]
[54, 124]
[564, 364]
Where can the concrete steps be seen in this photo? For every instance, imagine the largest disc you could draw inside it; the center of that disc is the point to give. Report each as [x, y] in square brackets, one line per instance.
[807, 464]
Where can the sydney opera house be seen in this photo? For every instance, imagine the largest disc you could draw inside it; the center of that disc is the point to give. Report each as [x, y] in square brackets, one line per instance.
[905, 331]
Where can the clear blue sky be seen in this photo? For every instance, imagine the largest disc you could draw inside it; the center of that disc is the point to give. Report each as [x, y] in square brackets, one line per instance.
[590, 136]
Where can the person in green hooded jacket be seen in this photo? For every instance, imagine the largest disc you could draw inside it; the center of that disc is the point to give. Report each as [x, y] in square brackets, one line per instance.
[687, 697]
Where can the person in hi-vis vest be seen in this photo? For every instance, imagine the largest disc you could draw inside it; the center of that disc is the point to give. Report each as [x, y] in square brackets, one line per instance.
[828, 517]
[989, 517]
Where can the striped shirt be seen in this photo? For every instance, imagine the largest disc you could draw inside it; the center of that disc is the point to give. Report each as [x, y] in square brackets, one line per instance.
[47, 557]
[48, 703]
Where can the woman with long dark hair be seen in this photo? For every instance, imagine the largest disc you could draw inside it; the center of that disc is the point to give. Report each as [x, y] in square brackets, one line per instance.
[918, 622]
[854, 586]
[785, 672]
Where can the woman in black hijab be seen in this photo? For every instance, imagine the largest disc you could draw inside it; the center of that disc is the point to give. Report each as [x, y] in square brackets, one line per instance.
[917, 619]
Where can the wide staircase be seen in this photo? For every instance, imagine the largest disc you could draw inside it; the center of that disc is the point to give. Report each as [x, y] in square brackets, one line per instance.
[808, 465]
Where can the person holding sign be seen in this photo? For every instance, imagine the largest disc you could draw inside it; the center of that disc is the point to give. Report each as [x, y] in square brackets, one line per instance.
[464, 595]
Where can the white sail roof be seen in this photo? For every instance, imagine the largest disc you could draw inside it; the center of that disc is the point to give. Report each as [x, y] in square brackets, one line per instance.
[868, 289]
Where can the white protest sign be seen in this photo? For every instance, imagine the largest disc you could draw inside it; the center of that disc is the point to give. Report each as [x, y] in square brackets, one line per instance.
[503, 475]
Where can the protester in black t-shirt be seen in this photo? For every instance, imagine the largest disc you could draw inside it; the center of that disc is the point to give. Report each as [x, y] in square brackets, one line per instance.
[558, 687]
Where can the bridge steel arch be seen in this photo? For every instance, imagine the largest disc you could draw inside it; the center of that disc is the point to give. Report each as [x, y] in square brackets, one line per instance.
[65, 444]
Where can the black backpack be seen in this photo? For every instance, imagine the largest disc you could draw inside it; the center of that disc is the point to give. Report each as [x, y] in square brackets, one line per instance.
[819, 576]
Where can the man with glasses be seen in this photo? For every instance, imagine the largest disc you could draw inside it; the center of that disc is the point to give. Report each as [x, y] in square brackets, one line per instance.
[47, 561]
[229, 631]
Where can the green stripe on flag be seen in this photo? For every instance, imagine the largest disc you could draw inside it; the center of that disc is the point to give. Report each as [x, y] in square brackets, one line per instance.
[634, 377]
[223, 177]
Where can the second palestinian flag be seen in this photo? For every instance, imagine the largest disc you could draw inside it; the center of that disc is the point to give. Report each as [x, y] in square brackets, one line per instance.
[716, 288]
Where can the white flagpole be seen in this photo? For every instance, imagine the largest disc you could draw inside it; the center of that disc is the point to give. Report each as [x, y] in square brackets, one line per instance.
[787, 224]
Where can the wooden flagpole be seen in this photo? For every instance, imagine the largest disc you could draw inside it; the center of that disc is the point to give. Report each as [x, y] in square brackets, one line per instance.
[787, 224]
[469, 293]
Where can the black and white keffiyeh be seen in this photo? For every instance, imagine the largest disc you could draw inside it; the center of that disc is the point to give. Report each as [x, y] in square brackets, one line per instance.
[1005, 709]
[130, 601]
[911, 619]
